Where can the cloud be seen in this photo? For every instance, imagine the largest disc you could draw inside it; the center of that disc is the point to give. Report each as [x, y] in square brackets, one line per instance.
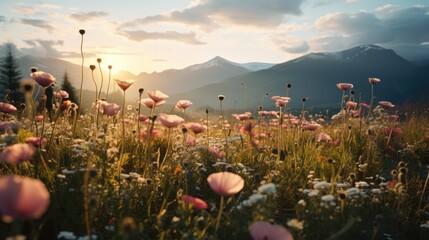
[388, 25]
[159, 60]
[83, 17]
[46, 48]
[2, 19]
[290, 44]
[139, 36]
[211, 14]
[24, 10]
[38, 24]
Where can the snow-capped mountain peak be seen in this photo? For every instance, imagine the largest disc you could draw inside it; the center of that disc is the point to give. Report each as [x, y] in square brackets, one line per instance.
[214, 62]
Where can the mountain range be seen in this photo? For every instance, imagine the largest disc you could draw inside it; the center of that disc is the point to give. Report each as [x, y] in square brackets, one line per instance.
[313, 76]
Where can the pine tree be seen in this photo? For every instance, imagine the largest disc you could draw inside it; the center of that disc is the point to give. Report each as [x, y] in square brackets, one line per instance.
[10, 77]
[68, 87]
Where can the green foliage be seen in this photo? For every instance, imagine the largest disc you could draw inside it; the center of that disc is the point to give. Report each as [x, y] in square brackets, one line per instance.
[69, 88]
[352, 188]
[10, 77]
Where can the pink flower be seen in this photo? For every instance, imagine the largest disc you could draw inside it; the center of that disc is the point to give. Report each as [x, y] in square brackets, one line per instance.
[149, 103]
[386, 104]
[170, 120]
[374, 80]
[142, 117]
[190, 140]
[262, 230]
[351, 105]
[144, 134]
[217, 152]
[225, 183]
[183, 104]
[38, 118]
[364, 105]
[195, 203]
[61, 94]
[246, 128]
[7, 108]
[43, 79]
[17, 153]
[344, 86]
[22, 198]
[323, 137]
[311, 126]
[8, 125]
[109, 109]
[393, 117]
[394, 132]
[196, 128]
[242, 117]
[157, 96]
[254, 143]
[336, 142]
[36, 141]
[124, 84]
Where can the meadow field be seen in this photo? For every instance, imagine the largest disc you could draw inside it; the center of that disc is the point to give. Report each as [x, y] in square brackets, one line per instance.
[121, 170]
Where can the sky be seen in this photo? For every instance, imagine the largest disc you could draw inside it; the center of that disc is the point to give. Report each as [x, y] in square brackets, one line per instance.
[155, 35]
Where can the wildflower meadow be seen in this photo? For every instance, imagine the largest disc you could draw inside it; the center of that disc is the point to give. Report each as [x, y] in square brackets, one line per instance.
[139, 170]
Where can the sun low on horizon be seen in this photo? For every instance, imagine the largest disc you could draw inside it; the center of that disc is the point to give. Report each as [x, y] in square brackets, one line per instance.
[155, 36]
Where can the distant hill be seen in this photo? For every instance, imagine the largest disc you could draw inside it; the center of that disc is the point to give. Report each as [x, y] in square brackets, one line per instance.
[315, 75]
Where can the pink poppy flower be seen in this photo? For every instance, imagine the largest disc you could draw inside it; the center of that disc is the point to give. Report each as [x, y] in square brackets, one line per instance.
[190, 140]
[38, 118]
[356, 113]
[262, 230]
[393, 117]
[149, 103]
[374, 80]
[36, 141]
[144, 134]
[124, 84]
[386, 104]
[22, 198]
[17, 153]
[7, 108]
[344, 86]
[183, 104]
[364, 105]
[246, 128]
[109, 109]
[170, 120]
[281, 103]
[61, 94]
[254, 143]
[264, 113]
[142, 118]
[323, 137]
[336, 142]
[43, 79]
[195, 203]
[242, 117]
[217, 152]
[351, 105]
[196, 128]
[311, 126]
[157, 96]
[394, 132]
[8, 125]
[225, 183]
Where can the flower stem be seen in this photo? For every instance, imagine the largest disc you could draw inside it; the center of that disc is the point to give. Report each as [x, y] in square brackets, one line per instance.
[220, 213]
[81, 84]
[123, 139]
